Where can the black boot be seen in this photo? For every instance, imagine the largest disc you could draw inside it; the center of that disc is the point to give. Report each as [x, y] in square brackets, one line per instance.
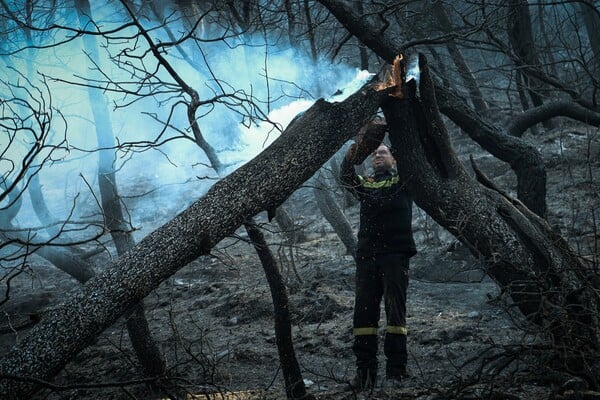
[365, 379]
[395, 375]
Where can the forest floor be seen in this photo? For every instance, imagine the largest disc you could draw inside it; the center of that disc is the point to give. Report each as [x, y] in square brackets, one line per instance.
[213, 320]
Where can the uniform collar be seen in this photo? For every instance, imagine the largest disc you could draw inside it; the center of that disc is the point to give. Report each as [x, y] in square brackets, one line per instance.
[386, 174]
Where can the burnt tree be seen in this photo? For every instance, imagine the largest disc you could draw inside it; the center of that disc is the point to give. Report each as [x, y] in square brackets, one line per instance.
[523, 157]
[261, 184]
[294, 384]
[544, 277]
[333, 213]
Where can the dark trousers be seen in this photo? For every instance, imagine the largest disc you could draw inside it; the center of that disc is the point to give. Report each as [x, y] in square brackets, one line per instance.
[384, 276]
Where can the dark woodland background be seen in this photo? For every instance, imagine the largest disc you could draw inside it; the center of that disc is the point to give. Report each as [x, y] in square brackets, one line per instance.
[146, 251]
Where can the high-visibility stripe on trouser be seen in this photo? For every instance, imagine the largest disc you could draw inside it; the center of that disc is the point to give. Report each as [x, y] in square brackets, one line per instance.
[365, 331]
[395, 329]
[395, 349]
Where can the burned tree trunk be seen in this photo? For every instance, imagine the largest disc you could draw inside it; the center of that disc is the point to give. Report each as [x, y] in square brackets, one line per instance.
[292, 232]
[261, 184]
[520, 35]
[294, 384]
[523, 158]
[346, 197]
[332, 212]
[142, 341]
[534, 265]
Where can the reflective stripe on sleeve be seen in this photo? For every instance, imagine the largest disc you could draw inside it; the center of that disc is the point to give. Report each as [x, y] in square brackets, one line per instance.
[365, 331]
[398, 330]
[381, 184]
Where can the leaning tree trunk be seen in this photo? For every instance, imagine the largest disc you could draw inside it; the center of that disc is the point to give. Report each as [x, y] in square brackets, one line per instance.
[533, 264]
[523, 157]
[332, 212]
[261, 184]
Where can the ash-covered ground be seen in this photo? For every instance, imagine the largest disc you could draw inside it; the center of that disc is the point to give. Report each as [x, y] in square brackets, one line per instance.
[213, 320]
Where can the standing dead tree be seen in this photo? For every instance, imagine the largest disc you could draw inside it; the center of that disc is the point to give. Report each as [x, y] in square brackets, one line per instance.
[143, 343]
[546, 280]
[294, 384]
[261, 184]
[332, 212]
[532, 263]
[520, 35]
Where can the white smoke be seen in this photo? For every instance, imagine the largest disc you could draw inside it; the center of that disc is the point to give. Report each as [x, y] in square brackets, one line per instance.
[282, 81]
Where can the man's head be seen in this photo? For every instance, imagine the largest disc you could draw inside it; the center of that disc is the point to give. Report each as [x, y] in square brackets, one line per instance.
[382, 159]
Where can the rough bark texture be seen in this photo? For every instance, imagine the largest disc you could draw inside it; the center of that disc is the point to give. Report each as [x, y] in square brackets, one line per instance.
[524, 159]
[143, 343]
[261, 184]
[533, 264]
[294, 384]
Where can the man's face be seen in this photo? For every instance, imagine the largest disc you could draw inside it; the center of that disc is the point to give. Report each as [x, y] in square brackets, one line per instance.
[382, 159]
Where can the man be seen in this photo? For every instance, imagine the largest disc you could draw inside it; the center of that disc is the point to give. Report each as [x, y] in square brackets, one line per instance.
[385, 245]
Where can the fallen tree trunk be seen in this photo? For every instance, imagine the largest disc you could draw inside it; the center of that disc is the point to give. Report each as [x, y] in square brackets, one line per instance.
[261, 184]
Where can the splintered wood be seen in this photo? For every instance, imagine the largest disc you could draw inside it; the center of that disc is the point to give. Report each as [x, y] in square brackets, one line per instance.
[395, 78]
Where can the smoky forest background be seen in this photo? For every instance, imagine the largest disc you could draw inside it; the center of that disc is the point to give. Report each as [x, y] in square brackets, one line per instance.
[172, 224]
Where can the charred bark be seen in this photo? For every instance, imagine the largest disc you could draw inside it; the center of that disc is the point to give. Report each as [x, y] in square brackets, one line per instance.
[143, 343]
[520, 36]
[542, 274]
[261, 184]
[564, 108]
[523, 158]
[294, 384]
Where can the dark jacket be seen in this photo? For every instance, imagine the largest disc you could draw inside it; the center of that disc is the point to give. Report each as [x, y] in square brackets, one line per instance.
[385, 213]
